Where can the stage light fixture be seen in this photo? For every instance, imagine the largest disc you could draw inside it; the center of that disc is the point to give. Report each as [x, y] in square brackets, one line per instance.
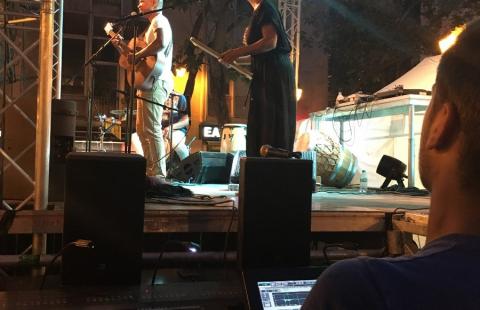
[392, 169]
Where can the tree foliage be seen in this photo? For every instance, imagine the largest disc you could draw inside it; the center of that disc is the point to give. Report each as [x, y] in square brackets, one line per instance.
[370, 43]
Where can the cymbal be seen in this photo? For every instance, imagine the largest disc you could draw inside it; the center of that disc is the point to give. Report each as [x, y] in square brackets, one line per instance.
[121, 113]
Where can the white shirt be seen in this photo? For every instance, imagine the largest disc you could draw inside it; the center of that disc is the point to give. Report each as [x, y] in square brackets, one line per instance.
[165, 54]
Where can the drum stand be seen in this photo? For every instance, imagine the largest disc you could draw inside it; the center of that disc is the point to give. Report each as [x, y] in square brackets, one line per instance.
[131, 101]
[104, 131]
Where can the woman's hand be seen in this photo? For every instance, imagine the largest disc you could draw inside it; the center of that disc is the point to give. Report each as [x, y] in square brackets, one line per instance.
[230, 56]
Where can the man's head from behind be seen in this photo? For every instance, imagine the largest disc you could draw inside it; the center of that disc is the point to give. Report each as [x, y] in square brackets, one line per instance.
[451, 128]
[148, 5]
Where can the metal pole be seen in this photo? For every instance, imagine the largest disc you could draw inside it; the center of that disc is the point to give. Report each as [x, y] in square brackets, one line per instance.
[58, 85]
[411, 146]
[44, 106]
[297, 43]
[128, 135]
[4, 100]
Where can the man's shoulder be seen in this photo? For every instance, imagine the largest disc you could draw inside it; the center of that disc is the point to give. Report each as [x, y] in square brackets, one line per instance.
[355, 269]
[160, 21]
[345, 284]
[377, 282]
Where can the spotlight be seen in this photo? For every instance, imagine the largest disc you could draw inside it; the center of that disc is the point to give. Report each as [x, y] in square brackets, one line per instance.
[392, 169]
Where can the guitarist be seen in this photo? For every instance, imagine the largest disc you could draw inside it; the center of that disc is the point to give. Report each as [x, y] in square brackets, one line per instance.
[158, 39]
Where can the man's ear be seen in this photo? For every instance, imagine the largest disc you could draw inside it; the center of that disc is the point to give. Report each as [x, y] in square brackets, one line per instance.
[444, 127]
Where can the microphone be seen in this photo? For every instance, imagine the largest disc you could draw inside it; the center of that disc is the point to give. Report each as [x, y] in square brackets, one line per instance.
[126, 17]
[270, 151]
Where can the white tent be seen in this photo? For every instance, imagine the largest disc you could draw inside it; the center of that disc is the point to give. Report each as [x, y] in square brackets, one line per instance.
[422, 76]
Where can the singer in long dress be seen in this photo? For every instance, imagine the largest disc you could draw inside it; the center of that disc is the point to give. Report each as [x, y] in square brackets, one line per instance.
[272, 111]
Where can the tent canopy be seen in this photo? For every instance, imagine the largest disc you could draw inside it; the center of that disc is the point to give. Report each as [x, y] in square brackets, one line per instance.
[422, 76]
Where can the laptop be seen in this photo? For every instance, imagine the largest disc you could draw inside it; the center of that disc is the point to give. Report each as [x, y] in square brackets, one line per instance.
[278, 288]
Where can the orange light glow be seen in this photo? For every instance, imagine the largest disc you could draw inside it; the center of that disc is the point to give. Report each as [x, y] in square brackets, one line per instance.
[451, 39]
[299, 93]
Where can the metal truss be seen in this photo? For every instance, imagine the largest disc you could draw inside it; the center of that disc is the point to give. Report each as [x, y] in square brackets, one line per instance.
[291, 13]
[20, 17]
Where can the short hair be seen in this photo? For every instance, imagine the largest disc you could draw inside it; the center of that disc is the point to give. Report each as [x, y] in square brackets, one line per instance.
[457, 82]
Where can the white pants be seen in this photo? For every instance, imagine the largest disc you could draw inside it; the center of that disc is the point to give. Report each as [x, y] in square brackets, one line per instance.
[149, 126]
[178, 142]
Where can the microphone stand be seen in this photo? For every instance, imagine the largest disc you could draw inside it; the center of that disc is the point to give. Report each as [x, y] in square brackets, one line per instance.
[131, 101]
[151, 102]
[170, 156]
[91, 94]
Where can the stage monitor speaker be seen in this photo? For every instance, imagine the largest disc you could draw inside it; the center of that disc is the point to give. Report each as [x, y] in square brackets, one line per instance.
[104, 203]
[204, 167]
[275, 212]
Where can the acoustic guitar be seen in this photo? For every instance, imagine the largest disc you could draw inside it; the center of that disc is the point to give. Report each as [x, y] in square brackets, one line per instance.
[145, 69]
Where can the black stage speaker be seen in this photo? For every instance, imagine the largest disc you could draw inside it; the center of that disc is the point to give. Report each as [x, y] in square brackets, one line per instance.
[104, 203]
[275, 212]
[204, 167]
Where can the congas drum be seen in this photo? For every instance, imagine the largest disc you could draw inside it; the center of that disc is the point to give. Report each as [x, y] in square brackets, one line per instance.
[234, 138]
[335, 164]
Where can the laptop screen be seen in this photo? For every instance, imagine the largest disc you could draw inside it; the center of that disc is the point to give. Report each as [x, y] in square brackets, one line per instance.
[279, 288]
[284, 294]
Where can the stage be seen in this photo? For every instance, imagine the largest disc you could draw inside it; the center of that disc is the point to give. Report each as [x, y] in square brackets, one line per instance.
[333, 210]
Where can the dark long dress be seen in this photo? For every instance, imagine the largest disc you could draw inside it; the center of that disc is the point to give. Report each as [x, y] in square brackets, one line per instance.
[272, 114]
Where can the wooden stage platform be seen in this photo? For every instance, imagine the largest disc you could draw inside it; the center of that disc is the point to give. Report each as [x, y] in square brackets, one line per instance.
[332, 211]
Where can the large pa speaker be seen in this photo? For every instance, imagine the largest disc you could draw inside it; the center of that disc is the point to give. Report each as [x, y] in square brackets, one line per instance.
[204, 167]
[104, 203]
[275, 212]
